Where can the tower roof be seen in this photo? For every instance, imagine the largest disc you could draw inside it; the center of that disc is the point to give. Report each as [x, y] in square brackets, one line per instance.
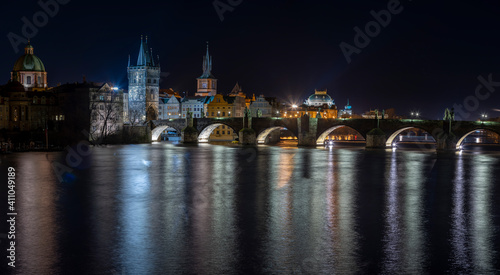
[29, 61]
[145, 57]
[207, 66]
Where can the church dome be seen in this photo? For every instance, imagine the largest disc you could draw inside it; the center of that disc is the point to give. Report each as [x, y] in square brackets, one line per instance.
[319, 98]
[29, 61]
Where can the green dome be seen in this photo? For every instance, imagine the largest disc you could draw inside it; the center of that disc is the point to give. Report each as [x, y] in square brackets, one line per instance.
[29, 61]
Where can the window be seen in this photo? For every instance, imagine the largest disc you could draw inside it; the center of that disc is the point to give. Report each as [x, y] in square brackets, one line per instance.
[217, 132]
[28, 80]
[101, 97]
[212, 114]
[223, 113]
[39, 79]
[149, 80]
[154, 81]
[223, 132]
[223, 127]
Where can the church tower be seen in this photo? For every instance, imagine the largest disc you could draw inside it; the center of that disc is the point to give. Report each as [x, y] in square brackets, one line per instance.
[207, 84]
[143, 86]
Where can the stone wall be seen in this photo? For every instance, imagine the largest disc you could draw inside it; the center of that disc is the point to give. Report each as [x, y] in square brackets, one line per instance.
[136, 134]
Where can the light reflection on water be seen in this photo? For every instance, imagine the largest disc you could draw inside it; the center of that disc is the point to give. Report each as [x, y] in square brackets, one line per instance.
[167, 209]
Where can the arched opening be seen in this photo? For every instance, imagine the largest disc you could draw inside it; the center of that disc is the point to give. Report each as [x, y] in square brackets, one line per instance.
[478, 137]
[165, 133]
[275, 135]
[340, 133]
[409, 135]
[218, 132]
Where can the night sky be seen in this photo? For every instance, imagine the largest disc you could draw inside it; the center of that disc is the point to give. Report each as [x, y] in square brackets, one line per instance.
[427, 58]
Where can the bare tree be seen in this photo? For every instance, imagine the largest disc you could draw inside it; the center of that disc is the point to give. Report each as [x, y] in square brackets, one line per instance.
[135, 117]
[106, 116]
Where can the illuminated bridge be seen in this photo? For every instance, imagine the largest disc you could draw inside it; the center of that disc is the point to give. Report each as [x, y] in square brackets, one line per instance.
[314, 131]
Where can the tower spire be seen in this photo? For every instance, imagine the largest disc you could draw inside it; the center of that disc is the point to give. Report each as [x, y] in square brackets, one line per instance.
[207, 65]
[145, 57]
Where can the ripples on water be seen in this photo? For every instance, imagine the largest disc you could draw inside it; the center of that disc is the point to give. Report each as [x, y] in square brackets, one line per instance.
[169, 209]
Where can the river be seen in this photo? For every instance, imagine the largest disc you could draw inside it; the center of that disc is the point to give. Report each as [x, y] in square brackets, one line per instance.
[213, 209]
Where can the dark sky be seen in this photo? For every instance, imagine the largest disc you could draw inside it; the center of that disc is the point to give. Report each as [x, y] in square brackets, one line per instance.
[427, 58]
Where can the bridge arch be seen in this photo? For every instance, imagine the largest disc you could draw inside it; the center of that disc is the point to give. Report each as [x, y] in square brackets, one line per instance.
[156, 132]
[322, 137]
[462, 139]
[261, 138]
[391, 138]
[205, 133]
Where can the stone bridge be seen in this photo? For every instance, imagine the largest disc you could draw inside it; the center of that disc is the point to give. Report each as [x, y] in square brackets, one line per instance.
[313, 131]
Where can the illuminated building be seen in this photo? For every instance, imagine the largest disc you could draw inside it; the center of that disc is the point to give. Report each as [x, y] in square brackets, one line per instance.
[319, 99]
[207, 84]
[30, 71]
[143, 86]
[194, 105]
[319, 105]
[26, 103]
[298, 111]
[260, 107]
[347, 111]
[225, 106]
[169, 108]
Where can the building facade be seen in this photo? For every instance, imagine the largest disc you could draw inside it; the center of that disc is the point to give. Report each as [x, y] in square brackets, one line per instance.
[346, 112]
[260, 107]
[226, 106]
[193, 105]
[170, 108]
[143, 86]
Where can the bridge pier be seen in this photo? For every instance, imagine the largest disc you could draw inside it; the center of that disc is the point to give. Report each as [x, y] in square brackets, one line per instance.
[446, 143]
[189, 134]
[247, 136]
[376, 138]
[308, 128]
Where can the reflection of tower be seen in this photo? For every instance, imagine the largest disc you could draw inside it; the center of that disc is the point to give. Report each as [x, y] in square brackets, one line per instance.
[207, 84]
[143, 86]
